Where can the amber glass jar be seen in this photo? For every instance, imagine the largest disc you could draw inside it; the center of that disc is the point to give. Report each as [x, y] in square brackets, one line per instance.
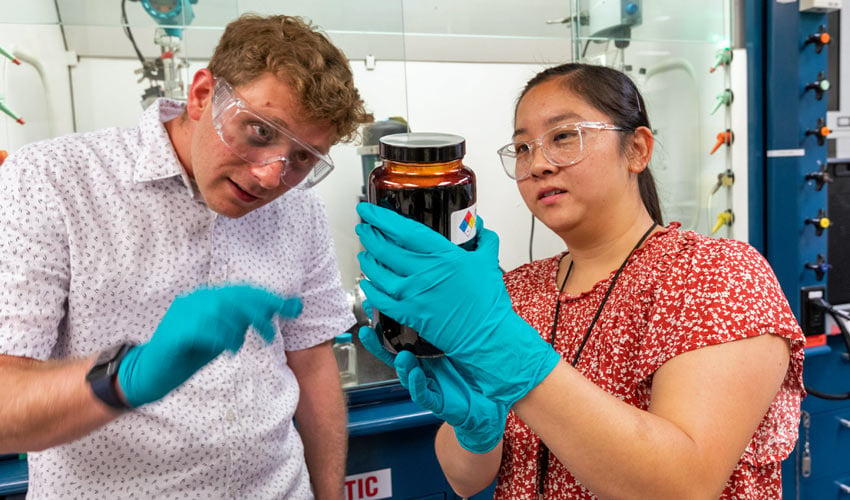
[423, 177]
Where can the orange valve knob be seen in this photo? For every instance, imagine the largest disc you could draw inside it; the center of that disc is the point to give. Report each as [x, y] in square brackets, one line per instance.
[819, 39]
[820, 131]
[722, 138]
[3, 155]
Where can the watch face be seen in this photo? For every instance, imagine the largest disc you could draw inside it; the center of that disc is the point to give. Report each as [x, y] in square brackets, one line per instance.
[97, 371]
[108, 361]
[102, 375]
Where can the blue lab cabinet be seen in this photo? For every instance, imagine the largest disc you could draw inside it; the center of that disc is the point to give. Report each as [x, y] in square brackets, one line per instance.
[824, 430]
[385, 432]
[790, 195]
[13, 476]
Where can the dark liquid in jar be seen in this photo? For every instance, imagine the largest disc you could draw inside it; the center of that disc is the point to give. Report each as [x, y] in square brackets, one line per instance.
[432, 206]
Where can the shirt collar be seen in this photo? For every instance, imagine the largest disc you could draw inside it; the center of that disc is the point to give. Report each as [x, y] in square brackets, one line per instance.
[157, 159]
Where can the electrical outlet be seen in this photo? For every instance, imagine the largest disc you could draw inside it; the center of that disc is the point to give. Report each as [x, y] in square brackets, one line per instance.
[812, 317]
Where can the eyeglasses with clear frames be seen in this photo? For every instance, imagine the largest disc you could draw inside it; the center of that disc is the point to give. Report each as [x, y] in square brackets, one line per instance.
[261, 141]
[563, 145]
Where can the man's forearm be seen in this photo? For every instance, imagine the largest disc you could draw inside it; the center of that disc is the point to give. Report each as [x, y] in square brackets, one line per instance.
[46, 403]
[325, 445]
[321, 419]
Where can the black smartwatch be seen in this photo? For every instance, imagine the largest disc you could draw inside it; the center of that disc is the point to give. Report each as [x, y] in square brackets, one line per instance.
[102, 376]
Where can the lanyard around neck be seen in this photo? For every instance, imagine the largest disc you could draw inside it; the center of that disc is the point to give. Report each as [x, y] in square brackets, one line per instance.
[543, 462]
[604, 298]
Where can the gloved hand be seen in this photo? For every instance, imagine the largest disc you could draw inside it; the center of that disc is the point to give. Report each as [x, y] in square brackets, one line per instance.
[455, 299]
[435, 385]
[197, 328]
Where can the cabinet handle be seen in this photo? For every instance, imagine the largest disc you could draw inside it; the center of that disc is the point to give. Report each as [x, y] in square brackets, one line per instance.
[844, 422]
[843, 487]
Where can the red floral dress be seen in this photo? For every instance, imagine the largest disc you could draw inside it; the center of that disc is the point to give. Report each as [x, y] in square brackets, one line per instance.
[679, 292]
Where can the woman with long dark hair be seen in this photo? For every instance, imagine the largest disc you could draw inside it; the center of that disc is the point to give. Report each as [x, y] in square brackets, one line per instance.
[643, 362]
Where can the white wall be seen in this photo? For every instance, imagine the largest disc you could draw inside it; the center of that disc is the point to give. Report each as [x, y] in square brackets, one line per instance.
[42, 100]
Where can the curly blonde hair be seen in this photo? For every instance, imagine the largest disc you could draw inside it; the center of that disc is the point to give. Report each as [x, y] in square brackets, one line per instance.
[296, 51]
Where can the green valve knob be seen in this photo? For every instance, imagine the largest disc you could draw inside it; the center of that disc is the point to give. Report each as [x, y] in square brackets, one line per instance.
[723, 57]
[723, 99]
[819, 86]
[7, 110]
[8, 55]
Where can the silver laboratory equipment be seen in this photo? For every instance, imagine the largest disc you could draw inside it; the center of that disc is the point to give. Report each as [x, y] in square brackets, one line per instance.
[165, 71]
[346, 359]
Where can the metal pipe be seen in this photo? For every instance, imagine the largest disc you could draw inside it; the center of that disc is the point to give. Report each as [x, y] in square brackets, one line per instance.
[739, 18]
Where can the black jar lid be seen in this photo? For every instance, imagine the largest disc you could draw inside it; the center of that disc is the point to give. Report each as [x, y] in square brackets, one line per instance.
[422, 147]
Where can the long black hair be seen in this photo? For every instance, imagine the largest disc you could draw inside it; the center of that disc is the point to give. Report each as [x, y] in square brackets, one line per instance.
[613, 93]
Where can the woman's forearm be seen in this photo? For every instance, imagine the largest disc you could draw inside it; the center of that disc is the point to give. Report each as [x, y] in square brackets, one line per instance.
[467, 472]
[706, 405]
[614, 449]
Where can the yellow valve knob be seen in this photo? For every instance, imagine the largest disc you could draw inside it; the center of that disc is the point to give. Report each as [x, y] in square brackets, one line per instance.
[820, 222]
[724, 218]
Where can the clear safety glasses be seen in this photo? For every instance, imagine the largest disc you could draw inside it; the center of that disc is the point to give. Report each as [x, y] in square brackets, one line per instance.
[261, 141]
[562, 146]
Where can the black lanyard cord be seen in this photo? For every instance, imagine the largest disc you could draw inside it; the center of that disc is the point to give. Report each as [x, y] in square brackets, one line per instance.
[543, 456]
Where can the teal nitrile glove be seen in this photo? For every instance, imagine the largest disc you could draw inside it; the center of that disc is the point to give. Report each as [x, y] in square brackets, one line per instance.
[197, 328]
[435, 385]
[455, 299]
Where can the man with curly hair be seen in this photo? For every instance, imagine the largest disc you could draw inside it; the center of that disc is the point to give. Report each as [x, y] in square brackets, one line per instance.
[133, 258]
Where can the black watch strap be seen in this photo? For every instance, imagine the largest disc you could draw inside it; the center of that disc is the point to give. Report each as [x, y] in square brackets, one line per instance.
[102, 375]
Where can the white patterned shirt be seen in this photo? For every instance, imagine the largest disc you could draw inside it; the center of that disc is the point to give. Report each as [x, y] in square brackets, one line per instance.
[98, 233]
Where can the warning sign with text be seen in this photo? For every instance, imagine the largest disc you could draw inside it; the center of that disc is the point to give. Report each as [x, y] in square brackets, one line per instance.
[369, 485]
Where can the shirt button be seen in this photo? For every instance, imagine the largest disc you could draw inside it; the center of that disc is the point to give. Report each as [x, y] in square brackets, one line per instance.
[230, 416]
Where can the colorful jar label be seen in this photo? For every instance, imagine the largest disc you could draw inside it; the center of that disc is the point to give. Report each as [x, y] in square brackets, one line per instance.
[464, 224]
